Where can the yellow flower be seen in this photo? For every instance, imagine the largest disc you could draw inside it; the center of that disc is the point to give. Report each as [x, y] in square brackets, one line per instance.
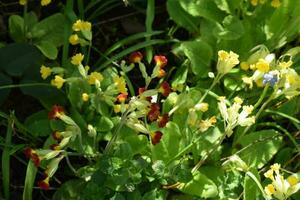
[45, 71]
[275, 3]
[80, 25]
[203, 107]
[262, 65]
[117, 108]
[238, 100]
[45, 2]
[226, 61]
[244, 66]
[248, 81]
[206, 124]
[275, 167]
[254, 2]
[285, 65]
[269, 174]
[93, 77]
[85, 97]
[292, 180]
[77, 59]
[120, 84]
[74, 39]
[58, 81]
[269, 189]
[23, 2]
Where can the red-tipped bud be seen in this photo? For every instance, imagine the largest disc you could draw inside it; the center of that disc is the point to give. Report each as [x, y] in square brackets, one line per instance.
[156, 137]
[122, 97]
[165, 89]
[55, 112]
[160, 60]
[163, 120]
[161, 73]
[35, 159]
[55, 147]
[28, 152]
[154, 112]
[57, 136]
[135, 57]
[44, 184]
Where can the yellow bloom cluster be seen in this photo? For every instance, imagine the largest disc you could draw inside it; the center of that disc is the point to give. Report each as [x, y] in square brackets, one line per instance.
[45, 71]
[77, 59]
[274, 3]
[81, 25]
[74, 39]
[280, 188]
[94, 77]
[120, 83]
[58, 81]
[43, 2]
[226, 61]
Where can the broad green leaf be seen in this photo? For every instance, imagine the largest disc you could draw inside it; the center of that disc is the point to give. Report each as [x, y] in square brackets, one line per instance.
[203, 8]
[231, 28]
[260, 147]
[48, 49]
[251, 190]
[39, 124]
[16, 58]
[123, 151]
[70, 190]
[31, 20]
[138, 143]
[182, 17]
[16, 28]
[169, 144]
[29, 181]
[200, 55]
[50, 29]
[76, 89]
[180, 77]
[200, 186]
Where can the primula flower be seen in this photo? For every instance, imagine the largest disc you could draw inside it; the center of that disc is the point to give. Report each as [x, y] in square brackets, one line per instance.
[226, 61]
[254, 2]
[93, 77]
[262, 65]
[117, 108]
[203, 107]
[135, 57]
[120, 84]
[74, 39]
[160, 61]
[23, 2]
[161, 73]
[57, 136]
[32, 154]
[77, 59]
[156, 137]
[206, 124]
[85, 97]
[55, 147]
[285, 65]
[154, 112]
[45, 71]
[141, 90]
[44, 184]
[122, 97]
[275, 3]
[45, 2]
[81, 25]
[56, 112]
[244, 66]
[163, 120]
[280, 188]
[58, 81]
[164, 89]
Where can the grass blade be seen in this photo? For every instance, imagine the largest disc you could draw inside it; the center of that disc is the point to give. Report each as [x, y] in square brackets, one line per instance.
[149, 21]
[29, 181]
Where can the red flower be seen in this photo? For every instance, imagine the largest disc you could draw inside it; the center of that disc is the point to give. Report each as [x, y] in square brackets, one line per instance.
[163, 120]
[155, 137]
[55, 112]
[122, 97]
[154, 112]
[160, 60]
[57, 136]
[135, 57]
[165, 89]
[30, 153]
[161, 73]
[143, 89]
[44, 184]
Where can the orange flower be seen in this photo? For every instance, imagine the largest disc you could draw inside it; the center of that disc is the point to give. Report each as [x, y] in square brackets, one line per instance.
[160, 60]
[135, 57]
[122, 97]
[165, 89]
[161, 73]
[156, 137]
[163, 120]
[30, 153]
[55, 112]
[154, 112]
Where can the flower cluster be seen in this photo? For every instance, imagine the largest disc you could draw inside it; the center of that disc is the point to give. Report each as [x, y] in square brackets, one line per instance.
[82, 33]
[226, 61]
[43, 2]
[280, 188]
[274, 3]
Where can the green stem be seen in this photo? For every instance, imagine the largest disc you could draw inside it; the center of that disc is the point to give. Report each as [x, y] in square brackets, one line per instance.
[262, 96]
[216, 80]
[25, 20]
[25, 85]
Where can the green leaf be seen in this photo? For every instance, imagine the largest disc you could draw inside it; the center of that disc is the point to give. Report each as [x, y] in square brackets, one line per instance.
[169, 145]
[251, 190]
[200, 186]
[200, 55]
[50, 29]
[16, 58]
[124, 151]
[231, 29]
[4, 80]
[70, 190]
[48, 49]
[138, 143]
[29, 181]
[38, 123]
[76, 89]
[182, 17]
[16, 28]
[260, 147]
[104, 124]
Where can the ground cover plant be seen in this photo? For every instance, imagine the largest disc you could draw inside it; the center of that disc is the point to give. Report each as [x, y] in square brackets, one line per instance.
[176, 99]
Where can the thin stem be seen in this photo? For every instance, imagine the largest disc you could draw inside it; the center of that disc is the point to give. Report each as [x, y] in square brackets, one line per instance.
[216, 80]
[25, 85]
[262, 96]
[70, 165]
